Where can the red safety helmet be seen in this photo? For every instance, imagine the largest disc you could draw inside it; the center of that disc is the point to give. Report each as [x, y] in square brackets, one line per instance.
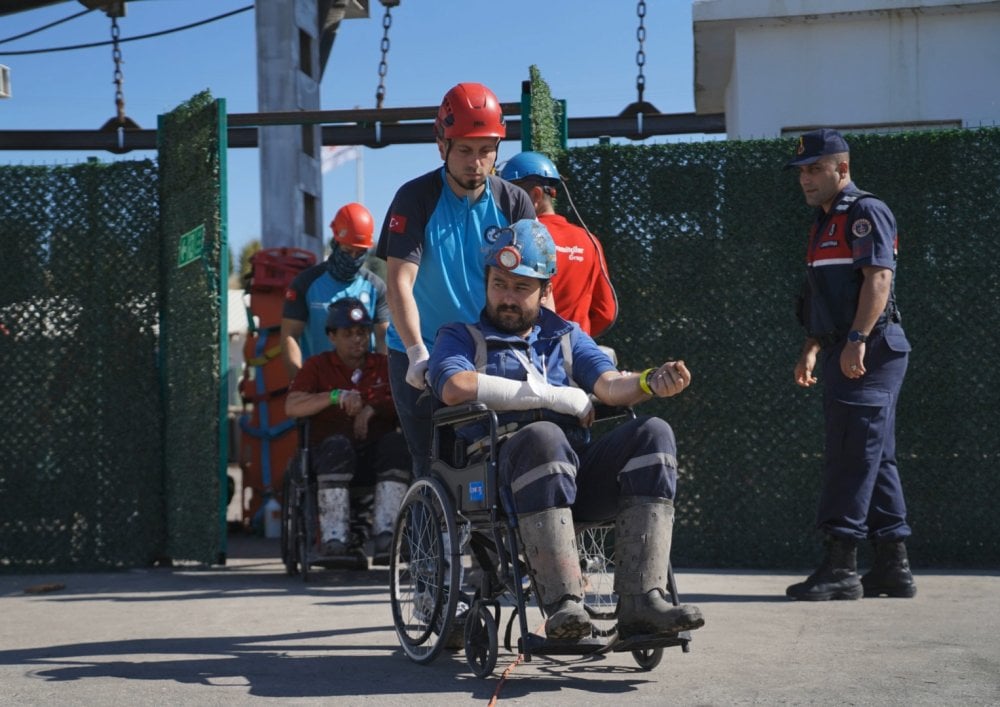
[470, 110]
[353, 226]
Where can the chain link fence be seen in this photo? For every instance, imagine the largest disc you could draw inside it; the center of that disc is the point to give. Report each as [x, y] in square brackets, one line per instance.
[111, 426]
[706, 247]
[81, 467]
[195, 268]
[109, 422]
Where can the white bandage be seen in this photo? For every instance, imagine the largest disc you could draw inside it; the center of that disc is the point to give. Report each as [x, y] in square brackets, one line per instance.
[418, 365]
[504, 394]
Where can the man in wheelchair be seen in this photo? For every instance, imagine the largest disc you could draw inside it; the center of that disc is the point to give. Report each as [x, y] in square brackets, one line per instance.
[353, 429]
[539, 371]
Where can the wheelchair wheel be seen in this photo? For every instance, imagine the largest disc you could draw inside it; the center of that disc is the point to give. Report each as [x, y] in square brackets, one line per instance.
[648, 658]
[424, 570]
[596, 548]
[289, 526]
[481, 643]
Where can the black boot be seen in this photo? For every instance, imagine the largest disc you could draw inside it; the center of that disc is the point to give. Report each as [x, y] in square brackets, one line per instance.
[837, 576]
[890, 573]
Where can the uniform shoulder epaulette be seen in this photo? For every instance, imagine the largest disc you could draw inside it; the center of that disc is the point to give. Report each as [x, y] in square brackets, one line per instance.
[848, 200]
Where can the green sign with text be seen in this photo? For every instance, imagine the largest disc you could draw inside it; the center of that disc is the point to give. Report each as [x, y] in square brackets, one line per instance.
[192, 246]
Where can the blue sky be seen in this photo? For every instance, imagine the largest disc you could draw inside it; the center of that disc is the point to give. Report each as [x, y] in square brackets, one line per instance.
[585, 49]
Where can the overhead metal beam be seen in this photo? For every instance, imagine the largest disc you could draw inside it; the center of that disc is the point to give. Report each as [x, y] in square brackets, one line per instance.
[9, 7]
[370, 128]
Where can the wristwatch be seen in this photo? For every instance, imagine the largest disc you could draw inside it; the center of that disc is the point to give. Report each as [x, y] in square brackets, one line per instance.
[856, 337]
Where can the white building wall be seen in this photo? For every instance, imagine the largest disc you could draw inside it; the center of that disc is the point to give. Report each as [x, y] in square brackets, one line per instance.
[858, 69]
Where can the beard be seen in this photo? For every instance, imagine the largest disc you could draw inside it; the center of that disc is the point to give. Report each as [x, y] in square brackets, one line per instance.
[471, 182]
[467, 180]
[511, 319]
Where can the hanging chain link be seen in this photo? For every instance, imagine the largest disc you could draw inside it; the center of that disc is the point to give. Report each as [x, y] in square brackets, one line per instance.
[116, 55]
[640, 56]
[383, 65]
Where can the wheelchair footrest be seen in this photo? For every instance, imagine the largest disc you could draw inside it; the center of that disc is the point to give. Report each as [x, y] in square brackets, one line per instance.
[539, 645]
[340, 562]
[648, 642]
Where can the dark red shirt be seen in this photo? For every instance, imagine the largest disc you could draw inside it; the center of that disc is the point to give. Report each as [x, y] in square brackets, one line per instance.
[325, 372]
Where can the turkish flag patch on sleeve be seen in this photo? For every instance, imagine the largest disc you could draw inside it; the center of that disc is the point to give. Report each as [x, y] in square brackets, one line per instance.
[397, 223]
[291, 295]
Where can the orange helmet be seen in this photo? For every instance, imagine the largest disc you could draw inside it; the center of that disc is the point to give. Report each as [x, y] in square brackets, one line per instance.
[353, 226]
[470, 110]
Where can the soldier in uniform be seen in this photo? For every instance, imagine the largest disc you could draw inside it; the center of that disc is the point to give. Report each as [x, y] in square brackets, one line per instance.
[852, 324]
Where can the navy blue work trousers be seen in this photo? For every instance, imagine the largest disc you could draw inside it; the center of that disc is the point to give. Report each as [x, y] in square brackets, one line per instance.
[544, 470]
[383, 459]
[862, 496]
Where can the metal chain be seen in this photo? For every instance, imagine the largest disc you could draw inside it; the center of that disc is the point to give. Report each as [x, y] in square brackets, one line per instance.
[383, 66]
[116, 55]
[640, 56]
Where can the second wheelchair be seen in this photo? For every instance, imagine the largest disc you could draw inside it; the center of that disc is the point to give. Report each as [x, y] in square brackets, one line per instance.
[368, 506]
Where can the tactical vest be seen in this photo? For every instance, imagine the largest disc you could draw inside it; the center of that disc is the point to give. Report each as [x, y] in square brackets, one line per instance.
[829, 297]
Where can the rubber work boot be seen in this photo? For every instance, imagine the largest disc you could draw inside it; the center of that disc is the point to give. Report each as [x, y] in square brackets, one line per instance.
[837, 576]
[643, 535]
[549, 541]
[890, 573]
[388, 497]
[334, 506]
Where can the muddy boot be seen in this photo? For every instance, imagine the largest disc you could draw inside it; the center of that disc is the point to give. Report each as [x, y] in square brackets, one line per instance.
[549, 543]
[334, 506]
[643, 533]
[388, 497]
[890, 573]
[836, 577]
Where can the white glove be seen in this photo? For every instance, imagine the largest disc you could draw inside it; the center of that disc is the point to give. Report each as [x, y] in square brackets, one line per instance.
[504, 394]
[418, 365]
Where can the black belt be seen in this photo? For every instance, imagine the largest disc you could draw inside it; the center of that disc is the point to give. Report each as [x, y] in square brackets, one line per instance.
[827, 340]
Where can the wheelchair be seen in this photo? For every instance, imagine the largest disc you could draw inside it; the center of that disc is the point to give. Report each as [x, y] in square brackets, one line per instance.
[459, 507]
[300, 537]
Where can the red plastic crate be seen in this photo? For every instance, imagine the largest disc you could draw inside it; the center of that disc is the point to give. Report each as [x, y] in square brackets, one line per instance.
[275, 268]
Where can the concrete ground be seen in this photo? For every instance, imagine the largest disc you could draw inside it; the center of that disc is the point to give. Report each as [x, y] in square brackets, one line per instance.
[247, 632]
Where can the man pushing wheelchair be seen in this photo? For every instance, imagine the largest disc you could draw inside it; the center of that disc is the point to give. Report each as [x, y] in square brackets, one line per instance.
[538, 372]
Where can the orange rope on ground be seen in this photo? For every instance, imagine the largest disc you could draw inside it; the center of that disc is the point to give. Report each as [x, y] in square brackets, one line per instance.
[503, 678]
[505, 673]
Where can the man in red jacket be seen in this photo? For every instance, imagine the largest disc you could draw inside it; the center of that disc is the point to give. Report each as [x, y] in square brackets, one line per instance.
[353, 430]
[581, 288]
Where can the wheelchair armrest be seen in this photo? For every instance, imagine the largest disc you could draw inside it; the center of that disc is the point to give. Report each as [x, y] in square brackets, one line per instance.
[457, 414]
[611, 412]
[466, 412]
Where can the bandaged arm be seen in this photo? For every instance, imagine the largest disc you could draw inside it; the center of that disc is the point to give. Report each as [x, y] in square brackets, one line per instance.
[504, 394]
